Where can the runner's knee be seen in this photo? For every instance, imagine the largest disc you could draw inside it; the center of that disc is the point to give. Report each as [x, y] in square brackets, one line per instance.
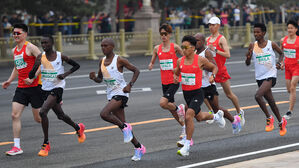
[15, 116]
[164, 104]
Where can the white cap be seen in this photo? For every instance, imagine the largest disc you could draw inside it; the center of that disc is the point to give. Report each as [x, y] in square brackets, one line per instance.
[214, 20]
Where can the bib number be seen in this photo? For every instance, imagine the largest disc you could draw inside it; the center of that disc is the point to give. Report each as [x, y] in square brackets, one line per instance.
[49, 74]
[263, 59]
[110, 82]
[166, 64]
[289, 53]
[19, 61]
[188, 78]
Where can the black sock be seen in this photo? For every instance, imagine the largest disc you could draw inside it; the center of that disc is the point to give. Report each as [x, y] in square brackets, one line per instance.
[138, 145]
[77, 127]
[123, 126]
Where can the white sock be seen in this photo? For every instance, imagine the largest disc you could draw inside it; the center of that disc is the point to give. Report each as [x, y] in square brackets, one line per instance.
[177, 110]
[187, 143]
[17, 142]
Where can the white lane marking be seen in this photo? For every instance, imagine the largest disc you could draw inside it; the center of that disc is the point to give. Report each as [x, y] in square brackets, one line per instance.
[100, 92]
[239, 156]
[84, 87]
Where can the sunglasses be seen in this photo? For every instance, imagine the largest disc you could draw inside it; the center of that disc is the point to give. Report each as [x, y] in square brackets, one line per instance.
[164, 33]
[185, 47]
[16, 33]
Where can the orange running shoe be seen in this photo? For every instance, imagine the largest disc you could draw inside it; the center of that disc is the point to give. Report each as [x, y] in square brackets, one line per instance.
[282, 126]
[80, 133]
[45, 150]
[270, 124]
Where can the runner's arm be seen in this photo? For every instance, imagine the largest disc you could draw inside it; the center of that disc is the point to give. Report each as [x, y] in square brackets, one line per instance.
[13, 75]
[225, 47]
[154, 56]
[177, 71]
[135, 70]
[208, 66]
[33, 50]
[281, 55]
[35, 66]
[68, 60]
[209, 56]
[99, 78]
[249, 54]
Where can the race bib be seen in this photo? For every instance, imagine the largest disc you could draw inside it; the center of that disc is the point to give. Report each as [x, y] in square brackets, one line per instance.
[188, 78]
[289, 53]
[166, 64]
[264, 59]
[49, 74]
[19, 61]
[110, 82]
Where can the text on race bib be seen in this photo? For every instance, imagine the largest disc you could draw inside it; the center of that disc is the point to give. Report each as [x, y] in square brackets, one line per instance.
[49, 74]
[289, 53]
[110, 82]
[188, 78]
[263, 59]
[19, 61]
[166, 64]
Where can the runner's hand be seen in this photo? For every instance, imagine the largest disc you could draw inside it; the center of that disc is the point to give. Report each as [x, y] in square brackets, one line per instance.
[5, 84]
[127, 89]
[92, 75]
[175, 79]
[211, 47]
[60, 76]
[28, 81]
[211, 79]
[150, 66]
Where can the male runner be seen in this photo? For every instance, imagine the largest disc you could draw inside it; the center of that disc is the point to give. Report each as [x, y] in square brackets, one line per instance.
[290, 47]
[166, 53]
[210, 90]
[111, 71]
[53, 79]
[190, 68]
[262, 52]
[24, 55]
[218, 45]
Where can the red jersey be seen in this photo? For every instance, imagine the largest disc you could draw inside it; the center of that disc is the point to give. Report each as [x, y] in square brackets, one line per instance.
[168, 61]
[24, 64]
[191, 74]
[220, 60]
[291, 51]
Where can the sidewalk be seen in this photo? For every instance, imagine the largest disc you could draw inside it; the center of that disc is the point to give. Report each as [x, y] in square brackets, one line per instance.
[289, 160]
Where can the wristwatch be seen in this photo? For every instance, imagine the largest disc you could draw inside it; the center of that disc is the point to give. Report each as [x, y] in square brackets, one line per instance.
[216, 50]
[131, 84]
[213, 75]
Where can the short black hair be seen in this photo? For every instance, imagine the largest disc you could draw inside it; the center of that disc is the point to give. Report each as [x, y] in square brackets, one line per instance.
[22, 26]
[262, 26]
[293, 22]
[50, 37]
[166, 27]
[192, 40]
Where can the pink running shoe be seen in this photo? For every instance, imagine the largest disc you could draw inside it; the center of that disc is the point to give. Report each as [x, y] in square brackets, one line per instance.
[181, 112]
[14, 151]
[80, 133]
[139, 152]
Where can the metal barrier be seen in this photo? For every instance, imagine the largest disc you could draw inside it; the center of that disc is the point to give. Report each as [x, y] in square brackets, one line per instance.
[140, 43]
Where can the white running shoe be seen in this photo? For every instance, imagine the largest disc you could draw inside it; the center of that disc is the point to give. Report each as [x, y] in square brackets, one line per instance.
[219, 119]
[184, 151]
[181, 142]
[242, 116]
[181, 112]
[139, 152]
[210, 121]
[288, 115]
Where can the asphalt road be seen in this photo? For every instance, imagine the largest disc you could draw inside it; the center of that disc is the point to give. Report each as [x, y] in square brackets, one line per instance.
[154, 127]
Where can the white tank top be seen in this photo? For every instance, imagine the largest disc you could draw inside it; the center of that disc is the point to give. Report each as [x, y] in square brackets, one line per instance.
[205, 74]
[264, 61]
[50, 70]
[113, 78]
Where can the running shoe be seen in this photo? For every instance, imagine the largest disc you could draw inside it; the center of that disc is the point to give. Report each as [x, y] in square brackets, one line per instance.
[236, 125]
[242, 116]
[45, 150]
[127, 131]
[219, 119]
[80, 133]
[183, 133]
[270, 124]
[210, 121]
[288, 115]
[181, 142]
[181, 112]
[282, 126]
[139, 152]
[184, 151]
[14, 151]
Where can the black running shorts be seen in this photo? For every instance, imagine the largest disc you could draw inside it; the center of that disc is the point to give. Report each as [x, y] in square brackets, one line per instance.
[124, 100]
[169, 91]
[57, 92]
[260, 82]
[30, 95]
[194, 99]
[210, 92]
